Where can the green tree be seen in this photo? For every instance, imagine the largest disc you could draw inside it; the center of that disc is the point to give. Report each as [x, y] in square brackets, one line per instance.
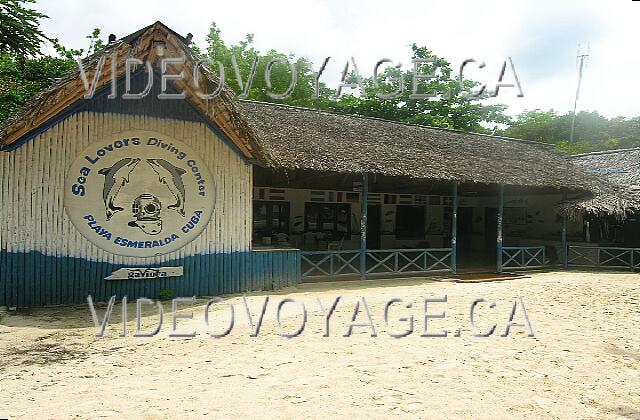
[450, 109]
[593, 132]
[23, 77]
[536, 125]
[95, 43]
[20, 34]
[245, 54]
[452, 112]
[622, 133]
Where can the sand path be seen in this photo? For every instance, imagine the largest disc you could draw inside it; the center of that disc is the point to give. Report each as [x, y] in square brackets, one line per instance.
[584, 361]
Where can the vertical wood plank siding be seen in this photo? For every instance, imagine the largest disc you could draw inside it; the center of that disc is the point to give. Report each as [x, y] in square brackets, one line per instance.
[44, 259]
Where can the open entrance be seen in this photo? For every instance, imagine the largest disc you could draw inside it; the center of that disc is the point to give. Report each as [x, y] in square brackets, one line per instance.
[465, 237]
[489, 250]
[475, 253]
[408, 224]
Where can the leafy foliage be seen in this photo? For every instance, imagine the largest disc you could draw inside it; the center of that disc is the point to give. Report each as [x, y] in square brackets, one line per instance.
[454, 111]
[24, 70]
[593, 131]
[245, 55]
[19, 31]
[449, 109]
[22, 79]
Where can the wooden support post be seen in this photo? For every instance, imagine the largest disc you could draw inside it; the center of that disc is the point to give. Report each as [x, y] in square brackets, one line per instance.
[454, 228]
[364, 202]
[500, 218]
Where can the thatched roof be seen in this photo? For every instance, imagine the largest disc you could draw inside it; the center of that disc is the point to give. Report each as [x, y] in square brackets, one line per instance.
[302, 138]
[621, 169]
[222, 110]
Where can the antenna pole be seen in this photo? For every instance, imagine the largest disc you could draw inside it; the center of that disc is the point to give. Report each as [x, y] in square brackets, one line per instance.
[581, 58]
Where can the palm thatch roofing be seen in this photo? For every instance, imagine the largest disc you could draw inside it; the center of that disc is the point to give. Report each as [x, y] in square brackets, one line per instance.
[302, 138]
[142, 44]
[621, 170]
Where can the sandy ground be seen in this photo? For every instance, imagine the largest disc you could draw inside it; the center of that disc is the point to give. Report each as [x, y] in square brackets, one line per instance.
[584, 361]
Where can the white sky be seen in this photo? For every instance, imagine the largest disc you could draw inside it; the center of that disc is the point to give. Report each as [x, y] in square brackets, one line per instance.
[541, 36]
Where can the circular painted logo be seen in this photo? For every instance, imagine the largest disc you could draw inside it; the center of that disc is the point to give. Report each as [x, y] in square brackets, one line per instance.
[139, 193]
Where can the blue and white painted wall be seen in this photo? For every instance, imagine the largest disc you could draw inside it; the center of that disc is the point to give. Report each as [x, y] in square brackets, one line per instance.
[45, 259]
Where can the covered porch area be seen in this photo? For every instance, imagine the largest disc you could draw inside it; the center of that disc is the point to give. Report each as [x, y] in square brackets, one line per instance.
[367, 197]
[373, 225]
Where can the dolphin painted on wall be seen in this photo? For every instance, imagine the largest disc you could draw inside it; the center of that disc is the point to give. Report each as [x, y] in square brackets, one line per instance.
[115, 178]
[171, 176]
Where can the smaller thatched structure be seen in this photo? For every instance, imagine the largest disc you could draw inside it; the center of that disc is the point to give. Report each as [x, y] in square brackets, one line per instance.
[621, 170]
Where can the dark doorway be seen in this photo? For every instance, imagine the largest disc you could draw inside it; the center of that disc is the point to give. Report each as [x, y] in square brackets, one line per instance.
[490, 232]
[410, 222]
[632, 231]
[465, 235]
[373, 226]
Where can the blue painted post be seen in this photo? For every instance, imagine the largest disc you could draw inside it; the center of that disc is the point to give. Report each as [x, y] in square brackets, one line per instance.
[565, 244]
[454, 228]
[363, 225]
[500, 217]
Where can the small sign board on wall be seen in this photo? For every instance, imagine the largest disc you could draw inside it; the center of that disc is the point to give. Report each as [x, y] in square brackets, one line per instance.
[145, 273]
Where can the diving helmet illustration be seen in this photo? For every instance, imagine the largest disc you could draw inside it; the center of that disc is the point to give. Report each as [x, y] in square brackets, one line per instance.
[146, 210]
